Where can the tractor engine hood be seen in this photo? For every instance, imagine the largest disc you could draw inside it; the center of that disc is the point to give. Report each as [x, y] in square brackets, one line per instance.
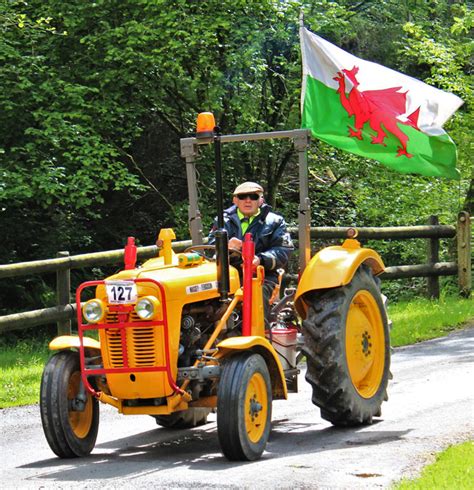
[181, 284]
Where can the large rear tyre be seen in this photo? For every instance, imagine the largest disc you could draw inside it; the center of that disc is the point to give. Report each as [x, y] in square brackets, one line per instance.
[193, 417]
[347, 348]
[70, 432]
[244, 407]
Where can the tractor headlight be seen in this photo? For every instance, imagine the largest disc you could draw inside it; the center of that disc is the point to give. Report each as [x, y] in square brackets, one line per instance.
[93, 311]
[148, 307]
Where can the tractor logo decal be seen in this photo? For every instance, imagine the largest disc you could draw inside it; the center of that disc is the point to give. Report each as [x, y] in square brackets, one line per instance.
[198, 288]
[382, 109]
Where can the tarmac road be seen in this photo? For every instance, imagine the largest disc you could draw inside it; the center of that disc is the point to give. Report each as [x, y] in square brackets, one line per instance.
[431, 406]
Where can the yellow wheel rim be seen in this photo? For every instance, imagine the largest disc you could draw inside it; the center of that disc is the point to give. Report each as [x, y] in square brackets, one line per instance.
[256, 407]
[365, 344]
[80, 422]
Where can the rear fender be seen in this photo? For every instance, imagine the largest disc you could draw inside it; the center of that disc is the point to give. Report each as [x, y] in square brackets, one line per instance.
[333, 267]
[262, 346]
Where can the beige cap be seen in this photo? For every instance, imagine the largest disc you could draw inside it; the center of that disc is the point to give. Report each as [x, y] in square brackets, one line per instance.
[248, 187]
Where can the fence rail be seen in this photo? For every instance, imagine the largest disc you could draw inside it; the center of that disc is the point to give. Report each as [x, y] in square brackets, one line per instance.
[385, 233]
[64, 312]
[79, 261]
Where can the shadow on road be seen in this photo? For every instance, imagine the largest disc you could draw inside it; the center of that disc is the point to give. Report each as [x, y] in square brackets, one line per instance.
[198, 449]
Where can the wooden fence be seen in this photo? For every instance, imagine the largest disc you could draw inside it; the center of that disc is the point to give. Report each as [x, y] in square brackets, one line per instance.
[64, 312]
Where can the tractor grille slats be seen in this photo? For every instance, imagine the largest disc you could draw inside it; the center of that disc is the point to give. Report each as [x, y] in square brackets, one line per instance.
[141, 343]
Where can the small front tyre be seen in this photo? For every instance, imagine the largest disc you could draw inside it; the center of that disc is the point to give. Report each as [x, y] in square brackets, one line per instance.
[244, 407]
[70, 432]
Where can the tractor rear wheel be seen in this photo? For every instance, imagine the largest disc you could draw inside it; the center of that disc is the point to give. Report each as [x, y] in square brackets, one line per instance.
[347, 348]
[193, 417]
[70, 431]
[244, 407]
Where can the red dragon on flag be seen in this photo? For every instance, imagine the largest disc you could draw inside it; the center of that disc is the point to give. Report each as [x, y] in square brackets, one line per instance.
[380, 108]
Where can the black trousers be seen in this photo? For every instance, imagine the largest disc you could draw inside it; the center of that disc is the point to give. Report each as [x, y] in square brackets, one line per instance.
[267, 290]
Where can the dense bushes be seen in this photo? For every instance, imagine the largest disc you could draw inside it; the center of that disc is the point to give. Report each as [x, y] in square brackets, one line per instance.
[95, 97]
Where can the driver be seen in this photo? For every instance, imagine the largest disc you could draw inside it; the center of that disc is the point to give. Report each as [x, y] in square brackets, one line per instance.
[250, 214]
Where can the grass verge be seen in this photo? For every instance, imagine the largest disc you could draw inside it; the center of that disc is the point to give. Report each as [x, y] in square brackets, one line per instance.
[422, 319]
[20, 372]
[453, 468]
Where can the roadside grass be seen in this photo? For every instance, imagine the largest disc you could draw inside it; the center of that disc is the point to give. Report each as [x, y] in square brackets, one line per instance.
[20, 372]
[423, 319]
[453, 468]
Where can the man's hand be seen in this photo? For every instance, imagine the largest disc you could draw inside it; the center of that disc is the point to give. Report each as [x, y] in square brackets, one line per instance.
[235, 243]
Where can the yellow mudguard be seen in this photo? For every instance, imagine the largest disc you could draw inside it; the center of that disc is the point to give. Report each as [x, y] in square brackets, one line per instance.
[333, 267]
[263, 347]
[72, 341]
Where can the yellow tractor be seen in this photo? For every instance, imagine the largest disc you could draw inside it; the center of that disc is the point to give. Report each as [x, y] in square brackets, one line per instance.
[183, 335]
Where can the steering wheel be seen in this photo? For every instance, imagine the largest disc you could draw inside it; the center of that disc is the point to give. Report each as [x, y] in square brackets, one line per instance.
[201, 250]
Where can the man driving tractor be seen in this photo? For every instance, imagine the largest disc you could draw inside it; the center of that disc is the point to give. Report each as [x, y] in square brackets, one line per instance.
[273, 245]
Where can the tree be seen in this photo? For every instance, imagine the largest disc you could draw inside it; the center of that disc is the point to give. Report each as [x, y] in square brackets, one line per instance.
[96, 96]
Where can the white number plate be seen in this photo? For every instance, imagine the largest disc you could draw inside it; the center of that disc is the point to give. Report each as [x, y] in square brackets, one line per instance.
[121, 292]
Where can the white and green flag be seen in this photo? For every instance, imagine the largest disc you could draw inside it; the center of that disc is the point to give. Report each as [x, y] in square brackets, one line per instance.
[376, 112]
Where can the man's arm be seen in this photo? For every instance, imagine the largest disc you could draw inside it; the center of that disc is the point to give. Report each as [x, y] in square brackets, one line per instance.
[279, 249]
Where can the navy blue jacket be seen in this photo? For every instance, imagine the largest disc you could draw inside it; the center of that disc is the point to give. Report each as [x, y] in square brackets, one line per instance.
[273, 244]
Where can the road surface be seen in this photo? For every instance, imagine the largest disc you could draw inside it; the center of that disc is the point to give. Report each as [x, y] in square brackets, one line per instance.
[431, 406]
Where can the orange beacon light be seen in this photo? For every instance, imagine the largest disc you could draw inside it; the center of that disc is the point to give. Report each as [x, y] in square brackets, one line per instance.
[205, 125]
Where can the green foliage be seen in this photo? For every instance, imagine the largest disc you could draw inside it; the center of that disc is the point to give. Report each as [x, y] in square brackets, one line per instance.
[95, 97]
[452, 469]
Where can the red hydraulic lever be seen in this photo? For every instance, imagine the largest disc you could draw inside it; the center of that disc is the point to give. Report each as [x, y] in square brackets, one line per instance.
[130, 256]
[248, 253]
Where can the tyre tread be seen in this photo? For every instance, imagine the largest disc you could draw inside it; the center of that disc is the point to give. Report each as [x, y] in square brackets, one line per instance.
[235, 369]
[324, 349]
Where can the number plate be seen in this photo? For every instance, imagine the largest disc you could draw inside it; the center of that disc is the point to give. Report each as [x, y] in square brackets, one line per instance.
[121, 292]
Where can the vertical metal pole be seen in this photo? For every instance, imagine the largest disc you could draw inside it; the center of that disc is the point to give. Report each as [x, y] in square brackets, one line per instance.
[63, 289]
[248, 252]
[301, 143]
[222, 243]
[464, 254]
[218, 169]
[189, 152]
[433, 258]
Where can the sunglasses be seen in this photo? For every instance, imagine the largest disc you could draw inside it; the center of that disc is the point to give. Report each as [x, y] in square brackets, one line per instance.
[253, 197]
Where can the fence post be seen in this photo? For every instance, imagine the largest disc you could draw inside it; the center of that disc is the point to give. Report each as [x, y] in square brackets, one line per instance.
[433, 258]
[464, 253]
[63, 289]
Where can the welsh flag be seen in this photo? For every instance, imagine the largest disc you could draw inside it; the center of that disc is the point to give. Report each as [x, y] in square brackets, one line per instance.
[376, 112]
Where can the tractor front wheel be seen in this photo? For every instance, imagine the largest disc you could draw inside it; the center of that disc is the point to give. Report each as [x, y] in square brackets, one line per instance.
[347, 348]
[69, 426]
[244, 407]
